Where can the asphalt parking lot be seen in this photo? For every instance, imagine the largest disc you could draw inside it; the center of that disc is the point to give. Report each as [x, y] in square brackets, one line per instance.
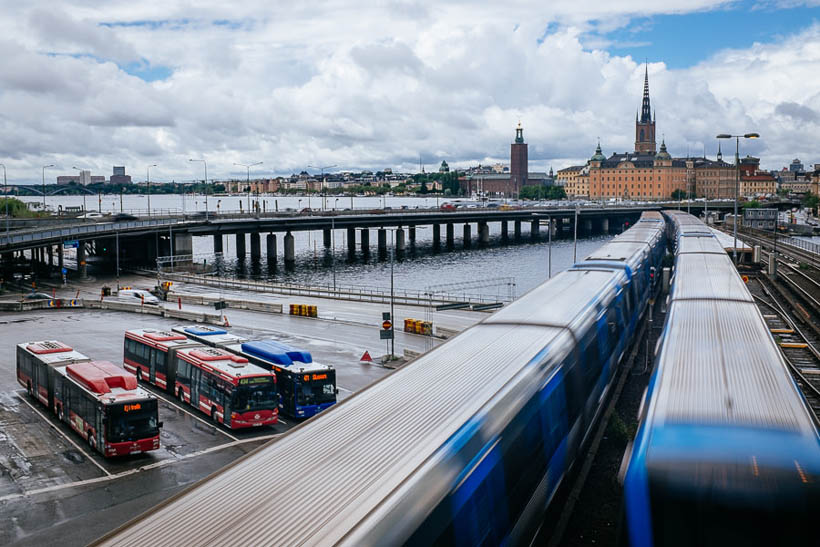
[54, 489]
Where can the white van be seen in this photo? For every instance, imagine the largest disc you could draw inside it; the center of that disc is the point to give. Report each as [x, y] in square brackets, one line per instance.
[137, 296]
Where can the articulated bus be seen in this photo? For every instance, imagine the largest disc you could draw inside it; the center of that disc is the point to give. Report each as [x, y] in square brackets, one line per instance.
[224, 386]
[305, 387]
[97, 399]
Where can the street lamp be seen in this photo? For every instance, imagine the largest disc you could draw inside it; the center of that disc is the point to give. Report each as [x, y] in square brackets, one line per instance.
[44, 185]
[322, 170]
[6, 198]
[248, 167]
[737, 180]
[206, 186]
[148, 181]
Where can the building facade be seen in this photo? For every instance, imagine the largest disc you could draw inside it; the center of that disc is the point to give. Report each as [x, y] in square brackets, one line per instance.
[645, 123]
[519, 162]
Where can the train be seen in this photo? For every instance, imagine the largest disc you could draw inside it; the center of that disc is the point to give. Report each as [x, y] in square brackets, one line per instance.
[465, 445]
[727, 451]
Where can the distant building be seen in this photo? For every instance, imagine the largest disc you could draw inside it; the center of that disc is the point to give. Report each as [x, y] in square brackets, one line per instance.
[444, 168]
[645, 125]
[119, 176]
[569, 178]
[796, 166]
[761, 219]
[519, 162]
[83, 177]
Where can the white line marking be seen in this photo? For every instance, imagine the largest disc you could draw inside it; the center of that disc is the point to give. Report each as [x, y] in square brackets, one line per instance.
[343, 389]
[147, 467]
[281, 421]
[66, 437]
[173, 404]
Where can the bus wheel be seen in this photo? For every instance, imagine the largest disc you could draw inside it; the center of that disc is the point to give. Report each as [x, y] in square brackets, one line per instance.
[139, 374]
[180, 395]
[213, 415]
[91, 442]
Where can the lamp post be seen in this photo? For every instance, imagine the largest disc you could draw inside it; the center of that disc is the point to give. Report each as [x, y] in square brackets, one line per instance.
[206, 185]
[44, 184]
[148, 181]
[248, 167]
[322, 171]
[549, 239]
[737, 181]
[5, 198]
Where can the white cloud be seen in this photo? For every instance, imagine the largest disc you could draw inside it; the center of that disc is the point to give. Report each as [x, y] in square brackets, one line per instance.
[293, 84]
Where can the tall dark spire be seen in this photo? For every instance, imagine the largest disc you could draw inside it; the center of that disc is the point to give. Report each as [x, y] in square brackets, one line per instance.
[646, 111]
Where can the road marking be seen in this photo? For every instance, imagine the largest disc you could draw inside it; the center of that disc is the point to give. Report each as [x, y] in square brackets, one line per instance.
[343, 389]
[147, 467]
[281, 421]
[192, 415]
[66, 437]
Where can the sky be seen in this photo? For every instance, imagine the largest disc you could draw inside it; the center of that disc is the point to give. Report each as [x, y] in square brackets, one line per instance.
[371, 85]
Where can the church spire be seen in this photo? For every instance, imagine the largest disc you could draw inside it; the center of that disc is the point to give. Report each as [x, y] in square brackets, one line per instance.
[646, 110]
[720, 154]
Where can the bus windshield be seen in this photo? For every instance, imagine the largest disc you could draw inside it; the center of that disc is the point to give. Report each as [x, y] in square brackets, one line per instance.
[258, 393]
[314, 393]
[132, 421]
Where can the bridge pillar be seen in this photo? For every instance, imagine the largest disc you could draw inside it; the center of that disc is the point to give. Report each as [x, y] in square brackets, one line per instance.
[450, 235]
[240, 245]
[271, 249]
[326, 238]
[436, 236]
[411, 230]
[365, 233]
[60, 263]
[535, 228]
[256, 247]
[467, 235]
[587, 226]
[82, 266]
[351, 242]
[605, 225]
[382, 239]
[483, 233]
[400, 246]
[217, 243]
[517, 230]
[504, 227]
[50, 250]
[290, 253]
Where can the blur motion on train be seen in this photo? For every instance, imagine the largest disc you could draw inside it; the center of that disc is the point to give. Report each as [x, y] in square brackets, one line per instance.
[468, 444]
[727, 452]
[465, 445]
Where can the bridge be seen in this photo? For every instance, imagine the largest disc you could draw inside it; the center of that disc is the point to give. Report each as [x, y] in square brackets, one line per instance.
[144, 239]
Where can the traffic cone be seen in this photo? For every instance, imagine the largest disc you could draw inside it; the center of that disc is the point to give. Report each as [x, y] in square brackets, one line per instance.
[366, 357]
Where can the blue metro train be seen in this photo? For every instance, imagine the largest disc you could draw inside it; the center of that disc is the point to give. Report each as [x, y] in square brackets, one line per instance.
[727, 452]
[465, 445]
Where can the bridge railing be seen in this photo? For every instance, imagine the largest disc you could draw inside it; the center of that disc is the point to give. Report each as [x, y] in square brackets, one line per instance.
[79, 230]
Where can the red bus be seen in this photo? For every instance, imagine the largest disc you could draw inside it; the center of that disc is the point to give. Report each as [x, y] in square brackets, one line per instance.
[226, 387]
[97, 399]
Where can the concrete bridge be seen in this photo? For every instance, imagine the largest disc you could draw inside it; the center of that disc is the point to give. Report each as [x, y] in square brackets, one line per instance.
[143, 240]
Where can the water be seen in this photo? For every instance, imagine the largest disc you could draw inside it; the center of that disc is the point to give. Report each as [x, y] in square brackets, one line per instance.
[419, 268]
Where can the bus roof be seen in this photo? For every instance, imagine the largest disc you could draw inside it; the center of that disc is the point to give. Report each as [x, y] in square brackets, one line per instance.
[161, 339]
[226, 364]
[278, 353]
[212, 336]
[105, 380]
[53, 352]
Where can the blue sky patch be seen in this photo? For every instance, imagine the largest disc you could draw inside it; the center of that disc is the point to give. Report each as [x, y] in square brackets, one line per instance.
[148, 72]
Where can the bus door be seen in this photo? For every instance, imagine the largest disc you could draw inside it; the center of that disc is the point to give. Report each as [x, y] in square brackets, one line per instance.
[196, 378]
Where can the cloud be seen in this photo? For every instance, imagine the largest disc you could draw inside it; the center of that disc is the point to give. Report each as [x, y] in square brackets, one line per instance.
[372, 85]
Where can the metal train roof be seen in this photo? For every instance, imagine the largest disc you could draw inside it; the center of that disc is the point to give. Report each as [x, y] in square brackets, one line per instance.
[720, 365]
[700, 243]
[708, 276]
[53, 352]
[727, 241]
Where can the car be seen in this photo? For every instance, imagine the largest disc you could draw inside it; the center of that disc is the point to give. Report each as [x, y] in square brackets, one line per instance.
[120, 217]
[492, 205]
[38, 296]
[448, 207]
[91, 214]
[139, 296]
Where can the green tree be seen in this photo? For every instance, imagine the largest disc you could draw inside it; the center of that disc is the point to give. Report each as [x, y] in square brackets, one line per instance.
[810, 201]
[754, 204]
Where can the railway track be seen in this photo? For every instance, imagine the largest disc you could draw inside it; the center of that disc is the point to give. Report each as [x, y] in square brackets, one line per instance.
[798, 344]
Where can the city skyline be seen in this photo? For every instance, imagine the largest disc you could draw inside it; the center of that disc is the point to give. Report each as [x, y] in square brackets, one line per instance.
[161, 83]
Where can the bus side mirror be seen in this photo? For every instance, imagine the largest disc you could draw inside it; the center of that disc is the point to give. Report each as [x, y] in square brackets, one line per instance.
[159, 425]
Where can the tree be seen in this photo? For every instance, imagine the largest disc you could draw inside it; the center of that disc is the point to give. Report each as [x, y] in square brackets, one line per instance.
[810, 201]
[754, 204]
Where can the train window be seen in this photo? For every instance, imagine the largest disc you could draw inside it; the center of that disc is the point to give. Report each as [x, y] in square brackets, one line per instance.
[573, 386]
[592, 362]
[523, 456]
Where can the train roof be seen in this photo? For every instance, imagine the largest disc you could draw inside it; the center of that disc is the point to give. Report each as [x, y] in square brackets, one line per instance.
[708, 276]
[163, 339]
[212, 336]
[354, 454]
[699, 243]
[624, 251]
[720, 366]
[105, 381]
[226, 363]
[53, 352]
[727, 241]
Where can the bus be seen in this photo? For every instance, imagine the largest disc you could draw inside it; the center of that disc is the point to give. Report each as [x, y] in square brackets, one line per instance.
[148, 352]
[97, 399]
[226, 387]
[305, 387]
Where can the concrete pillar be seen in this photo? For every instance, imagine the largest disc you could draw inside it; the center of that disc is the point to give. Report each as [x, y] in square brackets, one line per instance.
[483, 233]
[351, 241]
[256, 247]
[587, 226]
[517, 230]
[412, 231]
[326, 238]
[467, 235]
[271, 249]
[436, 236]
[240, 245]
[450, 235]
[365, 233]
[290, 253]
[382, 237]
[218, 243]
[400, 246]
[82, 267]
[504, 234]
[60, 264]
[605, 225]
[535, 227]
[50, 250]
